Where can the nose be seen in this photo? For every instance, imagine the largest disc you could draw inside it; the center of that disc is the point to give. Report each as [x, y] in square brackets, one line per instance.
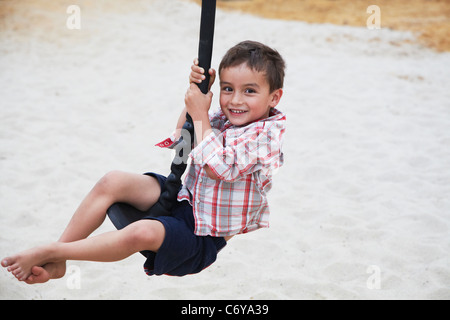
[236, 99]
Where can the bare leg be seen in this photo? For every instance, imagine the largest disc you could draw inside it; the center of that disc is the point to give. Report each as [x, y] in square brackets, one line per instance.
[107, 247]
[138, 190]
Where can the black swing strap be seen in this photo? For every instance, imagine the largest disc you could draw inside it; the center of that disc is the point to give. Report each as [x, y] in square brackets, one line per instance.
[205, 47]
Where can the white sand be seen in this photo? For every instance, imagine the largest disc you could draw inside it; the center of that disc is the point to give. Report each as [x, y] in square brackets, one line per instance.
[367, 174]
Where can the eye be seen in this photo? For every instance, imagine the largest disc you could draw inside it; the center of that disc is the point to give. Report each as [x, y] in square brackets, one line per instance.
[227, 89]
[250, 90]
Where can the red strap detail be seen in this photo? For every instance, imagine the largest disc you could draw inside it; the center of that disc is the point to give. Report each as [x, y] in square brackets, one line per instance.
[166, 143]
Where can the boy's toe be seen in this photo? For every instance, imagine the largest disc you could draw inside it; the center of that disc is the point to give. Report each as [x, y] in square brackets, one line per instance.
[5, 263]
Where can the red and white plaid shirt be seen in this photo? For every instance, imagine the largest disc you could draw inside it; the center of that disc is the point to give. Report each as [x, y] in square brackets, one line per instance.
[244, 159]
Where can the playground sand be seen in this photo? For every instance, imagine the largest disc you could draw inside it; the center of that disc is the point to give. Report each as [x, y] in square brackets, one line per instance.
[359, 211]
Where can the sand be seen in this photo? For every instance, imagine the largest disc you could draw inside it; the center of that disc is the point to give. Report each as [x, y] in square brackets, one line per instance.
[359, 211]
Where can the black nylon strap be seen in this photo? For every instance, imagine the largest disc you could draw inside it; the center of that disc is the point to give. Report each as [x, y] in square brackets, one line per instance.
[205, 47]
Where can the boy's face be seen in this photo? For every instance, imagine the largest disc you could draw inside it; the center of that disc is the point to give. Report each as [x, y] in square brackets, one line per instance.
[245, 95]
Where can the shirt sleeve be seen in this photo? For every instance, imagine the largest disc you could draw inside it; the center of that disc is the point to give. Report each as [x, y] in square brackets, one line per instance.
[233, 154]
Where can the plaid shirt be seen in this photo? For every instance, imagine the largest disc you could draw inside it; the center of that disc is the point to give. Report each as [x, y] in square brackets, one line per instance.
[244, 159]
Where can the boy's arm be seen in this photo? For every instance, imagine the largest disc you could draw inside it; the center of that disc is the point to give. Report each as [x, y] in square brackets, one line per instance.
[180, 123]
[202, 129]
[197, 105]
[243, 152]
[196, 76]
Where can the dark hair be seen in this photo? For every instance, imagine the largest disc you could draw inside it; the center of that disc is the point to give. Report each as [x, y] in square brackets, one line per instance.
[258, 57]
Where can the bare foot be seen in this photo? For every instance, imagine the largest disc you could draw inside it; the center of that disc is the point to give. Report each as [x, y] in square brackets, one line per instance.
[46, 272]
[38, 275]
[20, 265]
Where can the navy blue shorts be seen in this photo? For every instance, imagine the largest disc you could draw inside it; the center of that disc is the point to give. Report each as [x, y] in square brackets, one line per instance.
[182, 252]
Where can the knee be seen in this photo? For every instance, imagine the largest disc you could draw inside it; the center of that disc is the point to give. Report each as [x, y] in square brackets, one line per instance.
[109, 183]
[146, 235]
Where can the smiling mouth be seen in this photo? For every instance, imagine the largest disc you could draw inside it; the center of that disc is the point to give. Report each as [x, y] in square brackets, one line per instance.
[235, 111]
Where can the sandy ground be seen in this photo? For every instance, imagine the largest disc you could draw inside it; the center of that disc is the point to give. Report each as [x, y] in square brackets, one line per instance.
[359, 211]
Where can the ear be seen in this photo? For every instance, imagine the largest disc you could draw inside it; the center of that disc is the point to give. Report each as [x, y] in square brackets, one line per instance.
[275, 97]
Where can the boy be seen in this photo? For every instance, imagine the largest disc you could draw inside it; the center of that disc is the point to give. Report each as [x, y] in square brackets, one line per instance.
[224, 191]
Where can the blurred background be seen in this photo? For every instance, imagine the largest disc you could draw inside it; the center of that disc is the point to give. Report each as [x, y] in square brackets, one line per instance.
[365, 181]
[428, 19]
